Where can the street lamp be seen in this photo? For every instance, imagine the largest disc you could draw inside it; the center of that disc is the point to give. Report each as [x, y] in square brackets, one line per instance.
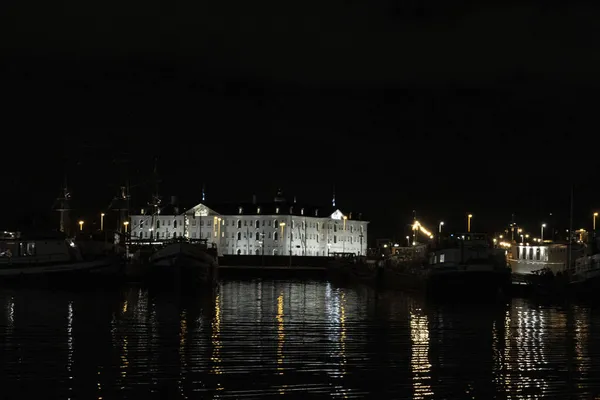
[469, 222]
[125, 224]
[80, 225]
[522, 239]
[408, 241]
[542, 236]
[441, 224]
[595, 215]
[102, 221]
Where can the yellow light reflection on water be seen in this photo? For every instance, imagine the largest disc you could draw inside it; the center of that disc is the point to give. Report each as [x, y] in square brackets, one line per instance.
[216, 340]
[280, 334]
[420, 365]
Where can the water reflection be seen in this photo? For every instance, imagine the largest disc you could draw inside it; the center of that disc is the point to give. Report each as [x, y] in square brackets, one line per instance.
[420, 365]
[298, 339]
[280, 334]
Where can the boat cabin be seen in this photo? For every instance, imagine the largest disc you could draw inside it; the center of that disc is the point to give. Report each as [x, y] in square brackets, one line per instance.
[462, 249]
[16, 248]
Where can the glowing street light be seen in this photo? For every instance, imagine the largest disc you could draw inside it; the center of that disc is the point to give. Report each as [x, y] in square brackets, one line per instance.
[440, 228]
[408, 241]
[282, 225]
[102, 221]
[345, 218]
[80, 225]
[469, 222]
[125, 224]
[542, 236]
[595, 215]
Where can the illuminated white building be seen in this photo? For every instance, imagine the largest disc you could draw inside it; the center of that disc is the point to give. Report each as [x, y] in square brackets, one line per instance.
[526, 259]
[275, 228]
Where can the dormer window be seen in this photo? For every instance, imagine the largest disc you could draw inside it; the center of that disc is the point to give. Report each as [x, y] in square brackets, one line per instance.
[240, 210]
[277, 210]
[291, 210]
[258, 210]
[317, 212]
[302, 211]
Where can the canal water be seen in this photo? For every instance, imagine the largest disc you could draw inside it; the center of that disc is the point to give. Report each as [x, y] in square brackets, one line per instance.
[258, 339]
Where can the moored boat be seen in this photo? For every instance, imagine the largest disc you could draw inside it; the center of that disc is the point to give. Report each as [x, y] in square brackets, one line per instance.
[178, 263]
[45, 254]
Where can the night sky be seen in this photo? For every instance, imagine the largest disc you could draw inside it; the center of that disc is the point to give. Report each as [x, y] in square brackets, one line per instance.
[443, 108]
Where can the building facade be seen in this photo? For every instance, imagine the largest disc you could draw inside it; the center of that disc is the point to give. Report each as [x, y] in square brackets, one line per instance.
[276, 228]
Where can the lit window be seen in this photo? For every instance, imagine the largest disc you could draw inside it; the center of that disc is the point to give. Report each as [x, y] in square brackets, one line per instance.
[240, 210]
[442, 258]
[277, 210]
[258, 210]
[302, 211]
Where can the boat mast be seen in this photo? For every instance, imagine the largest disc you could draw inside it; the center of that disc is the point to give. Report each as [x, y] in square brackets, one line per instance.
[155, 203]
[63, 206]
[570, 239]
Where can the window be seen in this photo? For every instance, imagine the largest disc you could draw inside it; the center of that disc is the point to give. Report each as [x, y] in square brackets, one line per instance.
[239, 224]
[275, 224]
[257, 224]
[538, 254]
[442, 258]
[334, 239]
[277, 210]
[175, 224]
[157, 223]
[174, 235]
[317, 214]
[275, 235]
[239, 236]
[245, 223]
[302, 211]
[257, 236]
[238, 252]
[240, 210]
[258, 210]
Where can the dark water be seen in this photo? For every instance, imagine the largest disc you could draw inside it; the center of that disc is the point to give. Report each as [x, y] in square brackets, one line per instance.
[294, 339]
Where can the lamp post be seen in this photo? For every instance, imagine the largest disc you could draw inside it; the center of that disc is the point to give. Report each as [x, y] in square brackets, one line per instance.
[440, 226]
[102, 221]
[219, 236]
[594, 224]
[469, 222]
[542, 236]
[282, 225]
[344, 237]
[80, 225]
[408, 241]
[125, 224]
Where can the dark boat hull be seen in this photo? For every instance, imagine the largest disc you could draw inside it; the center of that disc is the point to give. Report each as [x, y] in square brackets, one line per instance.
[180, 266]
[448, 285]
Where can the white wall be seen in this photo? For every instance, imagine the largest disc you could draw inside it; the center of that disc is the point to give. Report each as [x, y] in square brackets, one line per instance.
[247, 234]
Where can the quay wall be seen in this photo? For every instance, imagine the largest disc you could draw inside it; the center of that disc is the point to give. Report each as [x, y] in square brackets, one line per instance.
[273, 261]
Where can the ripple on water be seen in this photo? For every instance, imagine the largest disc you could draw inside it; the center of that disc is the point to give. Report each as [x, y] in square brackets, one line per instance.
[256, 339]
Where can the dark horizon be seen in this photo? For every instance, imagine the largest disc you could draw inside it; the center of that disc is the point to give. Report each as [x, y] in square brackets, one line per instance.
[437, 108]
